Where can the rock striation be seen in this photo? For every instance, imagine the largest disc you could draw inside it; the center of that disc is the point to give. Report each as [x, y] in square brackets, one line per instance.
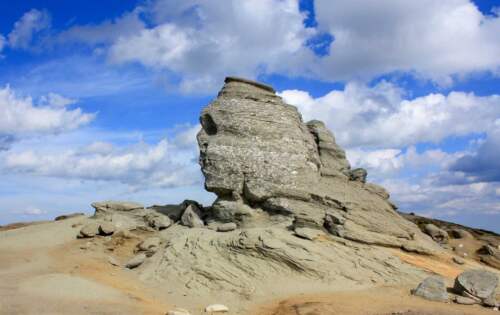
[268, 167]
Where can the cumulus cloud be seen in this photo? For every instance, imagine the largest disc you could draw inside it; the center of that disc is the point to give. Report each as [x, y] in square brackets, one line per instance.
[200, 42]
[380, 116]
[164, 164]
[434, 39]
[20, 116]
[31, 23]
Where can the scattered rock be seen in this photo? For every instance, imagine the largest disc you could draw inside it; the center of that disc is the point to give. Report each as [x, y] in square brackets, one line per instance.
[432, 288]
[307, 233]
[226, 227]
[458, 260]
[358, 175]
[460, 233]
[136, 261]
[106, 228]
[68, 216]
[465, 300]
[158, 221]
[216, 308]
[192, 217]
[89, 230]
[178, 311]
[437, 234]
[479, 283]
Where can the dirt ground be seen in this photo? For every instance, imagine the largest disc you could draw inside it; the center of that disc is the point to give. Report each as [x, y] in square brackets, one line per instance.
[45, 270]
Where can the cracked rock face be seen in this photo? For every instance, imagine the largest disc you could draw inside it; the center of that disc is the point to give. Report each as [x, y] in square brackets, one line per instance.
[269, 168]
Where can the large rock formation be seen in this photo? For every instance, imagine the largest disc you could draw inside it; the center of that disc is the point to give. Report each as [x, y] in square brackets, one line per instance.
[268, 167]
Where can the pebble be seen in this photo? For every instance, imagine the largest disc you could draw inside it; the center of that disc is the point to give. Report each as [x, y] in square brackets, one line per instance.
[136, 261]
[216, 308]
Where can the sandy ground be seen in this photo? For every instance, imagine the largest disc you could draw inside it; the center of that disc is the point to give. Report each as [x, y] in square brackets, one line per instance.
[44, 270]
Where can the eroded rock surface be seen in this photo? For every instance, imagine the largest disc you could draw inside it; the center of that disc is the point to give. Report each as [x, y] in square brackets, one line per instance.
[268, 167]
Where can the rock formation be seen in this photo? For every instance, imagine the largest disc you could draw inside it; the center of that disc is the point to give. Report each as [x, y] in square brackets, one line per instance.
[268, 167]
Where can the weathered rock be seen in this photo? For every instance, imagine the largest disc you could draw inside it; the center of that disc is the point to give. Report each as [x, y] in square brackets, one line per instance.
[68, 216]
[113, 261]
[478, 283]
[432, 288]
[89, 230]
[136, 261]
[174, 212]
[106, 228]
[465, 300]
[178, 311]
[490, 301]
[259, 157]
[437, 234]
[111, 206]
[227, 227]
[158, 221]
[192, 217]
[460, 233]
[216, 308]
[358, 175]
[308, 233]
[458, 260]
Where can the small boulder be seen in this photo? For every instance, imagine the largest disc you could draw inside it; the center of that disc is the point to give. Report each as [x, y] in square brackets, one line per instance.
[136, 261]
[478, 283]
[192, 217]
[458, 260]
[432, 288]
[227, 227]
[460, 233]
[158, 221]
[89, 230]
[358, 175]
[106, 228]
[307, 233]
[68, 216]
[216, 308]
[437, 234]
[465, 300]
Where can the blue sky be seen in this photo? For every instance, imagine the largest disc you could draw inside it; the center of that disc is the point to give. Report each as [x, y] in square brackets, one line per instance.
[102, 101]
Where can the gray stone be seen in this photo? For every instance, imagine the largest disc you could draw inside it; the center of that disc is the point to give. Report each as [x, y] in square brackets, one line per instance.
[158, 221]
[460, 233]
[490, 301]
[89, 230]
[458, 260]
[465, 300]
[358, 175]
[478, 283]
[432, 288]
[106, 228]
[192, 217]
[437, 234]
[136, 261]
[226, 227]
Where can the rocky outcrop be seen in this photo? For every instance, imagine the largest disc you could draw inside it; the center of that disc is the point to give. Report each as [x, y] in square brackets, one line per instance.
[269, 168]
[432, 288]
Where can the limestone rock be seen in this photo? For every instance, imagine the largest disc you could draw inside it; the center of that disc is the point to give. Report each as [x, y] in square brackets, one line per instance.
[432, 288]
[437, 234]
[89, 230]
[158, 221]
[308, 233]
[136, 261]
[358, 175]
[192, 217]
[174, 212]
[110, 205]
[216, 308]
[227, 227]
[106, 228]
[479, 283]
[178, 311]
[266, 165]
[150, 245]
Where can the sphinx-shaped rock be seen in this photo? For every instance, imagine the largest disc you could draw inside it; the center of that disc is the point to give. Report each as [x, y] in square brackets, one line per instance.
[264, 163]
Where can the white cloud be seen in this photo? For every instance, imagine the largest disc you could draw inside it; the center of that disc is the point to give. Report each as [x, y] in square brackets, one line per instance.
[19, 116]
[3, 41]
[379, 116]
[139, 166]
[27, 26]
[56, 100]
[203, 41]
[434, 39]
[33, 211]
